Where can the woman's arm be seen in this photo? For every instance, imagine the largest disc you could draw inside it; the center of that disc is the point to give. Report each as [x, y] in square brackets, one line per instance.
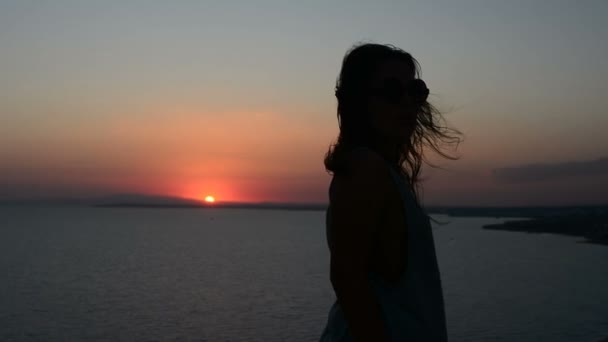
[355, 212]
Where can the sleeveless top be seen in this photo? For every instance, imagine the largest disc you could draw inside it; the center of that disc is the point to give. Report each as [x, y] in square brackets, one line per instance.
[412, 308]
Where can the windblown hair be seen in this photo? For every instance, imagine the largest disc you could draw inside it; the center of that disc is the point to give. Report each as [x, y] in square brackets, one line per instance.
[358, 67]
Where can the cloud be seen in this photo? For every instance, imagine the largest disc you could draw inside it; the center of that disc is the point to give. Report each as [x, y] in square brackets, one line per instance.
[542, 172]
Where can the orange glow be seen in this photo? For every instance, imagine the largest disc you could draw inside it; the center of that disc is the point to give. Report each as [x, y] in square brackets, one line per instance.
[209, 199]
[185, 153]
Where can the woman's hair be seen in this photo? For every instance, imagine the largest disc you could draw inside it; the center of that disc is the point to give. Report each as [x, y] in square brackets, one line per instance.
[351, 91]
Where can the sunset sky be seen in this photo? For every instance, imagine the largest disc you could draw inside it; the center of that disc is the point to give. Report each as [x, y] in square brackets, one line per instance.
[234, 99]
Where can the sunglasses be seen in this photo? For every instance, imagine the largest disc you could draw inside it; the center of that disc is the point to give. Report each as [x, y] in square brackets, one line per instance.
[393, 91]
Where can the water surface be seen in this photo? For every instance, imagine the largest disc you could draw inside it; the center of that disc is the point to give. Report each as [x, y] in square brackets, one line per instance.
[262, 275]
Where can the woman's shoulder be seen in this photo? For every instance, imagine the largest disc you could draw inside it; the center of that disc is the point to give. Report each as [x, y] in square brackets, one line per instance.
[364, 158]
[364, 171]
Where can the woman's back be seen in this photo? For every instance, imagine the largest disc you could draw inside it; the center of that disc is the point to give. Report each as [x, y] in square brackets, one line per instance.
[412, 306]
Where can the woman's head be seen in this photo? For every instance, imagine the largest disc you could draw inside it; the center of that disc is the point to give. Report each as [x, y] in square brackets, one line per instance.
[377, 95]
[382, 102]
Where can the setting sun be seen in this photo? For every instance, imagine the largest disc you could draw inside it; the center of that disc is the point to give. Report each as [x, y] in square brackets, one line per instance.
[209, 199]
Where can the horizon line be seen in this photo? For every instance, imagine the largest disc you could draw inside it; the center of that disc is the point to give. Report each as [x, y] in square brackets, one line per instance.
[190, 202]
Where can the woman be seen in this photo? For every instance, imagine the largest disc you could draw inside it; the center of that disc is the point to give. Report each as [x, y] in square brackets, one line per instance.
[383, 264]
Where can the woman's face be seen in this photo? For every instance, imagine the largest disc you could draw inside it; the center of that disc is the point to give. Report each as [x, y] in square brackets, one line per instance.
[393, 118]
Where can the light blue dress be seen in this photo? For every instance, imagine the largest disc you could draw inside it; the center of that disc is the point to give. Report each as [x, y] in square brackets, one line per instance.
[413, 307]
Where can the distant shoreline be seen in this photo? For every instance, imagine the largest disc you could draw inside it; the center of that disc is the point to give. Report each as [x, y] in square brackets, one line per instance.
[590, 224]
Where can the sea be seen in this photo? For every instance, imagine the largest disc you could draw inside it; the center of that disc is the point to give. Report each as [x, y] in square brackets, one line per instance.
[217, 274]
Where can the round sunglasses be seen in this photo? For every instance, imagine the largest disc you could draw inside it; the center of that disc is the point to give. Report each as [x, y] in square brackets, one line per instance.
[393, 91]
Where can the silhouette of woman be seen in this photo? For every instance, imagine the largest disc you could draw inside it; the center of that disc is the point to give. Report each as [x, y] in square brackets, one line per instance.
[383, 264]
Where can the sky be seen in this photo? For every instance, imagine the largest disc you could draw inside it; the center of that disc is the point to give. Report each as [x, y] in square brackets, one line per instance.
[234, 99]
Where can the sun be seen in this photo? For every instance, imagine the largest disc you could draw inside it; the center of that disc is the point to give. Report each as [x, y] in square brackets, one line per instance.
[209, 199]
